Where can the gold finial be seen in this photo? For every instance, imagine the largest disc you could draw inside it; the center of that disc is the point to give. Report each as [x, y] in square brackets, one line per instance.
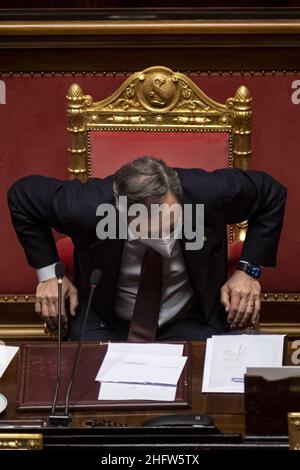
[75, 92]
[242, 94]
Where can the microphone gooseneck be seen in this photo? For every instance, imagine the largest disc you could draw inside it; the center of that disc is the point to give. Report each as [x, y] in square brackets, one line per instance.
[94, 281]
[59, 273]
[64, 419]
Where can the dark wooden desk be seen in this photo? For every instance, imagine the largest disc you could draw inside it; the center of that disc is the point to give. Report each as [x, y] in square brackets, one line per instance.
[228, 410]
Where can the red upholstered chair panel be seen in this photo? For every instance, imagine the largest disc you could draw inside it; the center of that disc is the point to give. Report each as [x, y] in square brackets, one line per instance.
[111, 149]
[234, 255]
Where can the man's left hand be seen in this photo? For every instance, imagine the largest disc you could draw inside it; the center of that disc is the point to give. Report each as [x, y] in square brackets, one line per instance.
[240, 296]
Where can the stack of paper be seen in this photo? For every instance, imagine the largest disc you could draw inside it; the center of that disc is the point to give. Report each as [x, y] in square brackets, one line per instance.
[135, 371]
[228, 356]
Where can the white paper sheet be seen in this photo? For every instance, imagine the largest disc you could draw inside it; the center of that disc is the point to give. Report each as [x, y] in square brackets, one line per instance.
[7, 354]
[137, 348]
[117, 391]
[162, 369]
[228, 356]
[146, 348]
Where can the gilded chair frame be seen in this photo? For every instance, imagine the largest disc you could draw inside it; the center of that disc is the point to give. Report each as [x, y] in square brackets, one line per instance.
[159, 100]
[175, 104]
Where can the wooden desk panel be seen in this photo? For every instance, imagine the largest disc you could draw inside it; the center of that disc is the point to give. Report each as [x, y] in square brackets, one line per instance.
[227, 409]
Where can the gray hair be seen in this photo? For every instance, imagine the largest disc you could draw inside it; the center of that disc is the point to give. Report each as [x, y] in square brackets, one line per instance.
[146, 180]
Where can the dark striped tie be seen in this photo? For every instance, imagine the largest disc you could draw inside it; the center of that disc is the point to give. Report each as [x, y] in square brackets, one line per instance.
[144, 322]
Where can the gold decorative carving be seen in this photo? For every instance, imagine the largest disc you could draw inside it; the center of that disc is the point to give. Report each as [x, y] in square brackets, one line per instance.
[294, 430]
[241, 139]
[158, 90]
[125, 119]
[192, 119]
[241, 230]
[20, 441]
[77, 103]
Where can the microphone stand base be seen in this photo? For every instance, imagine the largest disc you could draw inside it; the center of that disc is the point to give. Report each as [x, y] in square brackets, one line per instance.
[59, 420]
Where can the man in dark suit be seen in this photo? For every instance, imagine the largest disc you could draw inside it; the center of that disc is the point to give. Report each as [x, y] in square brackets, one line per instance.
[158, 289]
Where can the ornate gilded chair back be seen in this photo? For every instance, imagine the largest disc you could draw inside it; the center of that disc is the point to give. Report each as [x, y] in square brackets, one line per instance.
[161, 113]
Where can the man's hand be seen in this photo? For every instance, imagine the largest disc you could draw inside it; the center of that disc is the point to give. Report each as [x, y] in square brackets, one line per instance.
[46, 304]
[240, 296]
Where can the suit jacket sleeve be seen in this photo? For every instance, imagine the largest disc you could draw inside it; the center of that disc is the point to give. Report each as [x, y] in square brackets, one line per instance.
[257, 197]
[37, 204]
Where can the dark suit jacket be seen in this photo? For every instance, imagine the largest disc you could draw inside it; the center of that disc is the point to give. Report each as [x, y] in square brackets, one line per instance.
[38, 203]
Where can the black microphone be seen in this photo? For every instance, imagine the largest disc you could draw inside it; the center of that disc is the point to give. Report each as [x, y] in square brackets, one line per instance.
[59, 273]
[94, 281]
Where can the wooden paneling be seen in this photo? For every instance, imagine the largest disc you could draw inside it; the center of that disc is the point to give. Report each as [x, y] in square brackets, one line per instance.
[130, 46]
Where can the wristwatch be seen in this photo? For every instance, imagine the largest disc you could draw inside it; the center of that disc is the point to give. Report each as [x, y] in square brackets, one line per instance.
[252, 270]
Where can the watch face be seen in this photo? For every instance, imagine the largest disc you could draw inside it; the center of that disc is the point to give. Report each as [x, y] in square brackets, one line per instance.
[254, 271]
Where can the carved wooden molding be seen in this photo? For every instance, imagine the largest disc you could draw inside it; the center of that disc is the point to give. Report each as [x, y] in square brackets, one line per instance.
[111, 28]
[37, 332]
[18, 330]
[23, 331]
[265, 297]
[292, 329]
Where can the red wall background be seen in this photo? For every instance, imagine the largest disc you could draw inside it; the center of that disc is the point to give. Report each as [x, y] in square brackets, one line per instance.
[33, 139]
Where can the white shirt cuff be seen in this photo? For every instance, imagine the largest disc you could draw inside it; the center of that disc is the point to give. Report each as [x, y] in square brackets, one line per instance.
[46, 273]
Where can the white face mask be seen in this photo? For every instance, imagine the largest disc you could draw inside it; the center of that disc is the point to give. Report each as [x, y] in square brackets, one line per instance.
[164, 246]
[164, 243]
